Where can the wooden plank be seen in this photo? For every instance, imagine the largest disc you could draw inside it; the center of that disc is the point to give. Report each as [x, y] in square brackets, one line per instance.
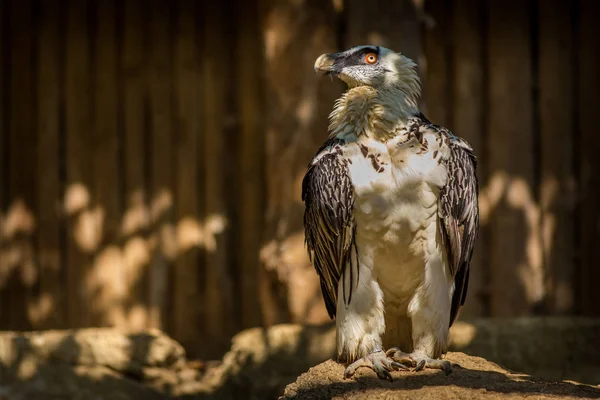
[3, 124]
[188, 88]
[251, 157]
[107, 279]
[22, 159]
[161, 165]
[437, 73]
[4, 165]
[136, 247]
[557, 196]
[297, 105]
[390, 23]
[589, 148]
[217, 135]
[515, 254]
[82, 227]
[51, 308]
[467, 115]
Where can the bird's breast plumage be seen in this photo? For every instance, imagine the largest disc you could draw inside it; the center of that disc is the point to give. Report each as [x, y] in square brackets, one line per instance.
[396, 185]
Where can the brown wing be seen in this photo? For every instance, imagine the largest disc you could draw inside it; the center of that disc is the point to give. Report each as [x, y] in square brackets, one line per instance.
[460, 216]
[329, 225]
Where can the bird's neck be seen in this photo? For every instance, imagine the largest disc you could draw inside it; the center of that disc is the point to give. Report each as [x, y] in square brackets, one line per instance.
[370, 112]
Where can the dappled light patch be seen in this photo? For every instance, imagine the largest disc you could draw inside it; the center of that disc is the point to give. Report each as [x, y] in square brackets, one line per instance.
[41, 309]
[77, 197]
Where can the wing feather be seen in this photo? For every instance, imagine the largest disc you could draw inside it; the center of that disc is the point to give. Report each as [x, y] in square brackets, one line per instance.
[460, 216]
[329, 225]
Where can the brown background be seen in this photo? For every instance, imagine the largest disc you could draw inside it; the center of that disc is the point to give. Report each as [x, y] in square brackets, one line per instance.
[151, 154]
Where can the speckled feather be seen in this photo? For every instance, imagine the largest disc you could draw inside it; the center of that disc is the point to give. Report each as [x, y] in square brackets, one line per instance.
[330, 227]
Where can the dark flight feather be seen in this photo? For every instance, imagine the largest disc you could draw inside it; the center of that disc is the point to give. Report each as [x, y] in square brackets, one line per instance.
[329, 225]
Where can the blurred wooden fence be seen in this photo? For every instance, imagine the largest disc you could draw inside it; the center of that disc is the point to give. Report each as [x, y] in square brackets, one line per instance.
[151, 154]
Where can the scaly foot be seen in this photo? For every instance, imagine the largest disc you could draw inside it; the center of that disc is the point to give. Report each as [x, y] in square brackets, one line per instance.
[418, 360]
[378, 362]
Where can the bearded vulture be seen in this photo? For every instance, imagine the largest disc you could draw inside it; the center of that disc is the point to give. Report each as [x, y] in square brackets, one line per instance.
[391, 216]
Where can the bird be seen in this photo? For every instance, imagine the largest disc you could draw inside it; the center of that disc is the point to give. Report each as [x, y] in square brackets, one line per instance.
[391, 216]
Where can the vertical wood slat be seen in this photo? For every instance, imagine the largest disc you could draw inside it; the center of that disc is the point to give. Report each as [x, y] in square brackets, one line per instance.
[251, 154]
[297, 106]
[136, 251]
[160, 92]
[81, 228]
[515, 248]
[4, 164]
[589, 148]
[22, 183]
[390, 23]
[466, 106]
[188, 89]
[51, 307]
[107, 278]
[3, 131]
[218, 68]
[437, 81]
[556, 151]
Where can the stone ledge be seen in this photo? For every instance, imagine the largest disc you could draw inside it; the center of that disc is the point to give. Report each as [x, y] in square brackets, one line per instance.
[476, 378]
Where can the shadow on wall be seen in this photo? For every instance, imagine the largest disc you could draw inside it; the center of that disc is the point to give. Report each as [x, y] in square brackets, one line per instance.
[124, 281]
[106, 272]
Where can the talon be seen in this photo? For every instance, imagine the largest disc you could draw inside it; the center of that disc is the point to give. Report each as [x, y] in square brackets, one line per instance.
[391, 351]
[378, 362]
[398, 366]
[447, 368]
[421, 362]
[385, 375]
[399, 356]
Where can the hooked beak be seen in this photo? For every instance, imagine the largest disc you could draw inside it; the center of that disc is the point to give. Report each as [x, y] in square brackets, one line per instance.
[324, 64]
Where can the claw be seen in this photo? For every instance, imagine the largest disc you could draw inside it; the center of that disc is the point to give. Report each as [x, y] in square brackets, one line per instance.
[378, 362]
[431, 363]
[398, 366]
[447, 367]
[401, 357]
[418, 360]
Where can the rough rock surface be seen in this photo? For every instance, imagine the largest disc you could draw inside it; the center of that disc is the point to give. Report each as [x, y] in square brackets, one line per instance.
[262, 361]
[476, 378]
[557, 348]
[103, 364]
[91, 364]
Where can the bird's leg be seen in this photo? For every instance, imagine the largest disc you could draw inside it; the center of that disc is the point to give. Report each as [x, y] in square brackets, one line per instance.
[419, 360]
[378, 362]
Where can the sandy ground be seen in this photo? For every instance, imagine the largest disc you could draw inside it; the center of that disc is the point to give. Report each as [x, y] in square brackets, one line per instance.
[475, 378]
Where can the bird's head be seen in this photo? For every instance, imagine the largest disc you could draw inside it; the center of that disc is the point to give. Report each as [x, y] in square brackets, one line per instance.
[373, 66]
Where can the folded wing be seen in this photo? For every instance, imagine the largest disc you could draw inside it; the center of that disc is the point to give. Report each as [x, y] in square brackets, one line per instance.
[329, 225]
[460, 216]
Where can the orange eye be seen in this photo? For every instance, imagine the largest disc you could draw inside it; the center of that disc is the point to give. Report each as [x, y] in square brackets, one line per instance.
[371, 58]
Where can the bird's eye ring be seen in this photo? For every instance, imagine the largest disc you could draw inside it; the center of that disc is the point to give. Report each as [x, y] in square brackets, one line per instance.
[371, 58]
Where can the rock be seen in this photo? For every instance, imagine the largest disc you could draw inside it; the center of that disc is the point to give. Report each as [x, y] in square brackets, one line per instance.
[54, 382]
[557, 348]
[121, 351]
[110, 364]
[262, 361]
[476, 378]
[90, 364]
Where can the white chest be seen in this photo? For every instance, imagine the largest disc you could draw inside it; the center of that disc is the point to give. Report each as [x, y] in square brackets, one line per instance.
[396, 184]
[396, 187]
